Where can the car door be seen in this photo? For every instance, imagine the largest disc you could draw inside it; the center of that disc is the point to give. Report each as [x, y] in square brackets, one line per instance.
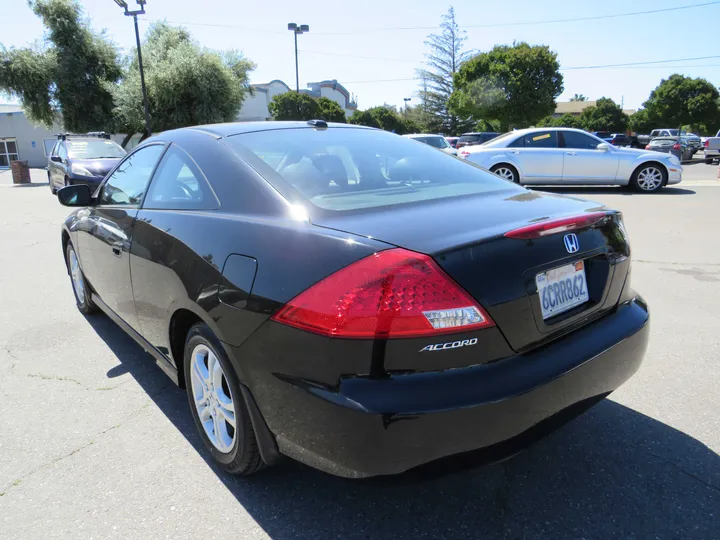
[59, 168]
[539, 156]
[165, 271]
[52, 166]
[584, 163]
[105, 253]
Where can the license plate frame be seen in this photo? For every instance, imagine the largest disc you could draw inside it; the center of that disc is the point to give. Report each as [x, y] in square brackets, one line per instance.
[562, 288]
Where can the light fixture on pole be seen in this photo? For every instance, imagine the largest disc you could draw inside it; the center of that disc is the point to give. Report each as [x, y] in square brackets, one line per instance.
[406, 100]
[295, 29]
[134, 13]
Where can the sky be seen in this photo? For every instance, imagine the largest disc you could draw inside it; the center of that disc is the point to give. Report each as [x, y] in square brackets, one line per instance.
[373, 47]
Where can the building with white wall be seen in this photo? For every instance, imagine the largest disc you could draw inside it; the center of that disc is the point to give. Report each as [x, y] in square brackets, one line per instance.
[255, 106]
[20, 139]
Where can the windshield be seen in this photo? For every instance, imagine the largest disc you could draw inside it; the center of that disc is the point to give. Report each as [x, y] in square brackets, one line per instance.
[659, 141]
[94, 149]
[437, 142]
[673, 132]
[343, 169]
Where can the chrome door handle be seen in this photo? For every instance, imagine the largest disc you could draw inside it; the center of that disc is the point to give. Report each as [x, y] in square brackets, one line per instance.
[571, 153]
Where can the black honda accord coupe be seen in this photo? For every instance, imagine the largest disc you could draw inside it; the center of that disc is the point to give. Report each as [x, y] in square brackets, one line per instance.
[353, 299]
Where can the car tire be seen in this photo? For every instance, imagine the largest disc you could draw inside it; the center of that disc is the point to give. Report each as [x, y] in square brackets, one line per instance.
[649, 178]
[708, 162]
[83, 295]
[508, 172]
[235, 450]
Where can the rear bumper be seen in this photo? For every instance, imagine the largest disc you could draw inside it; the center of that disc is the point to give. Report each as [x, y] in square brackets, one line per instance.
[709, 153]
[675, 174]
[377, 426]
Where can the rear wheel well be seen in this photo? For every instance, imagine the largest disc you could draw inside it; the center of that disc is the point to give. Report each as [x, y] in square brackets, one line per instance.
[180, 324]
[655, 163]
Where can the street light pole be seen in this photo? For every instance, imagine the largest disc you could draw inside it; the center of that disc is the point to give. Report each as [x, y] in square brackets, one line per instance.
[134, 14]
[297, 29]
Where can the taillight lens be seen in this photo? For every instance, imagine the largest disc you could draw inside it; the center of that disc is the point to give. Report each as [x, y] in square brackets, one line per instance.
[393, 293]
[464, 154]
[706, 143]
[554, 226]
[676, 146]
[647, 147]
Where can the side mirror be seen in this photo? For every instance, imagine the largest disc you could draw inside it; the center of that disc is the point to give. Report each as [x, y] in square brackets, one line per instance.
[56, 159]
[605, 147]
[75, 195]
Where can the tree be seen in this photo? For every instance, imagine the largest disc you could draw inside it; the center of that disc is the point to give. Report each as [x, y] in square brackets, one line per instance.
[578, 97]
[301, 106]
[446, 56]
[642, 122]
[70, 78]
[330, 111]
[384, 118]
[566, 120]
[516, 85]
[682, 100]
[606, 115]
[186, 84]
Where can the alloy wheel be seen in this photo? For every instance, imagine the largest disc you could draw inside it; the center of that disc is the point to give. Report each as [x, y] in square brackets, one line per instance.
[506, 173]
[650, 179]
[213, 399]
[77, 278]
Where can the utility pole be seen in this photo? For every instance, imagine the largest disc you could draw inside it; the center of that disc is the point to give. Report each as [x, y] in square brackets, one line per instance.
[123, 4]
[297, 29]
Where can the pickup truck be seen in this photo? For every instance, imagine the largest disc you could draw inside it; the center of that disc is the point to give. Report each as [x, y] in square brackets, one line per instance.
[619, 139]
[693, 140]
[712, 148]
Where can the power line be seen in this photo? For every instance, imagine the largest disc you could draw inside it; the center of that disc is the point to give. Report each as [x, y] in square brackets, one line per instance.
[487, 25]
[364, 57]
[639, 63]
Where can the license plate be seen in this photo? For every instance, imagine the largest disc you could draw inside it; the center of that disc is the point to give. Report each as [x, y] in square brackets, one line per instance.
[562, 288]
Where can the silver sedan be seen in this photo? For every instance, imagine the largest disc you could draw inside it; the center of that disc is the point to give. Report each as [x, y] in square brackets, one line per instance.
[572, 156]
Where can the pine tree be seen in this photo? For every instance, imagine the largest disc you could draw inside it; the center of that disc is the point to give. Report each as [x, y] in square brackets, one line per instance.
[445, 57]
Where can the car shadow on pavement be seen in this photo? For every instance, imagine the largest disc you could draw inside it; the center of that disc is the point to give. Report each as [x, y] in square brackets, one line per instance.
[611, 473]
[609, 190]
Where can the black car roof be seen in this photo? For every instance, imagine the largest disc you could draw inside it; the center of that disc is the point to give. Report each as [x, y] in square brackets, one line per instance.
[237, 128]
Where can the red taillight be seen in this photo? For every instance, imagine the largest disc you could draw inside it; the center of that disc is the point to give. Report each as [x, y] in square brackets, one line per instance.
[647, 147]
[393, 293]
[554, 226]
[464, 154]
[676, 146]
[706, 143]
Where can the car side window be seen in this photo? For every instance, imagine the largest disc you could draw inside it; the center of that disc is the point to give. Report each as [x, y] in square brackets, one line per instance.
[178, 184]
[573, 139]
[62, 152]
[517, 143]
[127, 185]
[54, 151]
[540, 139]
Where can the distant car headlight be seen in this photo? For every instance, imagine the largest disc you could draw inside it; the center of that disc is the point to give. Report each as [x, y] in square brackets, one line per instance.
[78, 169]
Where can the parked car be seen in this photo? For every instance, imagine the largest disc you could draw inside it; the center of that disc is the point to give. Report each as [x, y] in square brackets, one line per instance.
[82, 159]
[452, 141]
[352, 299]
[694, 141]
[572, 156]
[712, 148]
[677, 146]
[436, 141]
[618, 139]
[471, 139]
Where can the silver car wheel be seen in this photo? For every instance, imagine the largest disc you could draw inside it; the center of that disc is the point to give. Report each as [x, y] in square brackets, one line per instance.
[506, 173]
[649, 179]
[77, 278]
[213, 399]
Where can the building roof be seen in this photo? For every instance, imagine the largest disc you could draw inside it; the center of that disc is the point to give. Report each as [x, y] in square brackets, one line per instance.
[573, 107]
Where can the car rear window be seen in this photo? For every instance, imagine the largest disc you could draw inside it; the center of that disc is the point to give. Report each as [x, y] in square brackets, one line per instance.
[437, 142]
[348, 169]
[95, 149]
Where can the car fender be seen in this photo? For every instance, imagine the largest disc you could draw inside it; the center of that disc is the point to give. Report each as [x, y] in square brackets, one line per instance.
[630, 160]
[488, 159]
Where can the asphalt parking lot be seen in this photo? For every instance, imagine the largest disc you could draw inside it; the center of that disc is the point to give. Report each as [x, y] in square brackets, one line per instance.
[96, 442]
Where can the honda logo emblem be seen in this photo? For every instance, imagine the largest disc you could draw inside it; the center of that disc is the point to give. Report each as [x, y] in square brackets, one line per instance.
[572, 244]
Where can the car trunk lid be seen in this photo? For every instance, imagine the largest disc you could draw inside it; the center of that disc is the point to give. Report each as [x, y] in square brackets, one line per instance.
[466, 237]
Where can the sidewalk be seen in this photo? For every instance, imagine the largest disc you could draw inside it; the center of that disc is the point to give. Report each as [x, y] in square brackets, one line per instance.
[38, 177]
